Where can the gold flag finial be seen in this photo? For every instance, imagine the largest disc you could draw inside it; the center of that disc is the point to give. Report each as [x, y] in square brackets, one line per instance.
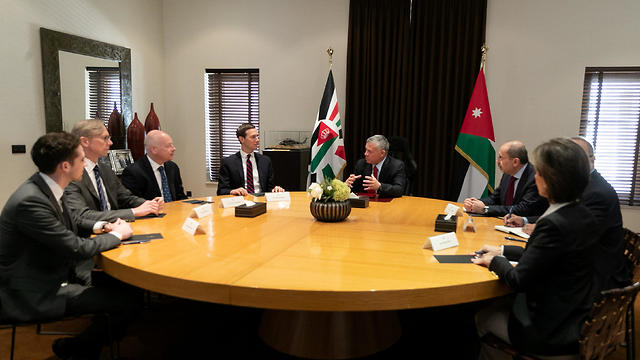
[330, 53]
[484, 55]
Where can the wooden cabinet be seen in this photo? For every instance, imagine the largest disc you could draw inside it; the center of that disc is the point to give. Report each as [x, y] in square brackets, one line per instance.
[290, 167]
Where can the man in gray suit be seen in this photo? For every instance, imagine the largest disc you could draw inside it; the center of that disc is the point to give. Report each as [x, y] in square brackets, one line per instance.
[100, 195]
[39, 245]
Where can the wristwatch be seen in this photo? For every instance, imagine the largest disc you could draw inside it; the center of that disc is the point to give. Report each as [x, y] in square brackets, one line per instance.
[485, 210]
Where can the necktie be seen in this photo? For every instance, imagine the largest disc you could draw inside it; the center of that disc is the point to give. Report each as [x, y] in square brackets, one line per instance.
[103, 198]
[250, 189]
[375, 175]
[166, 193]
[509, 200]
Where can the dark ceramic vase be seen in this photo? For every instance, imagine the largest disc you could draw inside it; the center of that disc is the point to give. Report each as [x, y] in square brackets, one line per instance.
[330, 211]
[116, 128]
[135, 138]
[151, 122]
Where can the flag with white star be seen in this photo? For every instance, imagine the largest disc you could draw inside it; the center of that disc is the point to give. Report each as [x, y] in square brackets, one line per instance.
[476, 144]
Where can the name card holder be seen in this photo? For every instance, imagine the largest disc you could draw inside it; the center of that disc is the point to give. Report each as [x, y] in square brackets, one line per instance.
[201, 211]
[232, 201]
[192, 227]
[452, 210]
[440, 242]
[278, 196]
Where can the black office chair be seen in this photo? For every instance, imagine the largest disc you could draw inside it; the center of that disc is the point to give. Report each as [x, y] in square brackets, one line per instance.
[399, 149]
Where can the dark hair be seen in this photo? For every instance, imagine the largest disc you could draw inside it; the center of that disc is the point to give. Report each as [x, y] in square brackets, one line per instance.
[565, 168]
[519, 151]
[242, 130]
[53, 148]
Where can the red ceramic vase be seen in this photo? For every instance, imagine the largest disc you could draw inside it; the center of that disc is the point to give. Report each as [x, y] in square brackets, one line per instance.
[152, 122]
[116, 128]
[135, 138]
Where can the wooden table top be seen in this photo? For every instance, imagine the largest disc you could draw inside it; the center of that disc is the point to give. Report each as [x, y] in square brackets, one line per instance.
[285, 259]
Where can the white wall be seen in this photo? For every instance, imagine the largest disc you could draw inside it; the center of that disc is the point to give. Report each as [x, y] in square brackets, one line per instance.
[286, 39]
[535, 65]
[133, 24]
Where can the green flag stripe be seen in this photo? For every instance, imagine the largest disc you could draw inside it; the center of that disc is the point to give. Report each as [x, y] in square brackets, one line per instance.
[321, 153]
[480, 154]
[328, 172]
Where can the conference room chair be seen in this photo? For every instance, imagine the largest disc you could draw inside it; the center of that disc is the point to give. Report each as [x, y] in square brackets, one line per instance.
[399, 149]
[603, 331]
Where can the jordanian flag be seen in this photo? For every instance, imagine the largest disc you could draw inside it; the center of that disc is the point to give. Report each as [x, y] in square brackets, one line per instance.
[327, 142]
[476, 144]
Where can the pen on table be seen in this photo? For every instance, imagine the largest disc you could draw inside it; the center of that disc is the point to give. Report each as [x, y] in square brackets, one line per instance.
[514, 239]
[510, 212]
[135, 241]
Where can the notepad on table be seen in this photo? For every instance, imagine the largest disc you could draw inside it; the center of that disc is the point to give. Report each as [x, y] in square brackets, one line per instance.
[512, 230]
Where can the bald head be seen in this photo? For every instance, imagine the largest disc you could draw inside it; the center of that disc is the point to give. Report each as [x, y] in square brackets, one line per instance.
[159, 146]
[587, 147]
[512, 156]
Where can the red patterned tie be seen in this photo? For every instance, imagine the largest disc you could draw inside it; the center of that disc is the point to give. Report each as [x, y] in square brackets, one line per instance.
[375, 175]
[250, 189]
[509, 200]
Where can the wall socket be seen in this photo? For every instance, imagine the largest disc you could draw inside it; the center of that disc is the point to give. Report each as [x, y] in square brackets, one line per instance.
[18, 149]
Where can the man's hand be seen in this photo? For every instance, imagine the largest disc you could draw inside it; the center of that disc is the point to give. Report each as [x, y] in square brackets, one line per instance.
[121, 227]
[370, 183]
[489, 253]
[239, 191]
[351, 179]
[277, 189]
[160, 201]
[147, 207]
[528, 229]
[513, 221]
[473, 205]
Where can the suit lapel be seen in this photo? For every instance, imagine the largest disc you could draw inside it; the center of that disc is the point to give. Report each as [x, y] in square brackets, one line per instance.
[151, 176]
[521, 184]
[39, 181]
[240, 170]
[86, 181]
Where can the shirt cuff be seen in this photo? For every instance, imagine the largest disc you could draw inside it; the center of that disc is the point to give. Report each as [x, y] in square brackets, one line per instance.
[98, 227]
[501, 250]
[525, 221]
[116, 234]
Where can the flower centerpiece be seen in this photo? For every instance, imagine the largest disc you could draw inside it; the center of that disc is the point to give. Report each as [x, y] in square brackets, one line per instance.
[330, 200]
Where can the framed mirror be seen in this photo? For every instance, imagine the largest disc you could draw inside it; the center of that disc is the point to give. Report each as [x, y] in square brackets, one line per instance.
[51, 43]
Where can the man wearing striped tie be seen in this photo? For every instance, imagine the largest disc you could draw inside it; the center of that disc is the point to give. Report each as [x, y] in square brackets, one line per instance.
[378, 174]
[247, 171]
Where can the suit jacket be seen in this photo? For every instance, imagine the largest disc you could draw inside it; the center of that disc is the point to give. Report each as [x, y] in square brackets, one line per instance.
[84, 201]
[526, 200]
[38, 249]
[554, 281]
[141, 180]
[392, 177]
[231, 174]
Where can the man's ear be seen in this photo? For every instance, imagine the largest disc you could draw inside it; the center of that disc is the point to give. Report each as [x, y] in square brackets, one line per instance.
[84, 141]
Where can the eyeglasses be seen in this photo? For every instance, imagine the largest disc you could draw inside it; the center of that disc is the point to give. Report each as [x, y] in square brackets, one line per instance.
[104, 138]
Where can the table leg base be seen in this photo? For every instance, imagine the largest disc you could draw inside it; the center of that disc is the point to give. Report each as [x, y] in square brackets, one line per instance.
[329, 335]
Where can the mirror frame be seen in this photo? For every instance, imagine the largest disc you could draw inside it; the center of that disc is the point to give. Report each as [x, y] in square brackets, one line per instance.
[53, 41]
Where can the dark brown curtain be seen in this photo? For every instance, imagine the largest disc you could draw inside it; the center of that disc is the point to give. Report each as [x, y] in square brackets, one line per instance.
[411, 67]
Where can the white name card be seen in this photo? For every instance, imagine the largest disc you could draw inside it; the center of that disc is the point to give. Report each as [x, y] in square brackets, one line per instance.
[232, 201]
[440, 242]
[201, 211]
[451, 210]
[278, 196]
[192, 227]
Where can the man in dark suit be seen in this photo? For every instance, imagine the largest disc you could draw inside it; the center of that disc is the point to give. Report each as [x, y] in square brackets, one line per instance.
[155, 175]
[100, 195]
[246, 172]
[378, 174]
[517, 192]
[39, 245]
[602, 201]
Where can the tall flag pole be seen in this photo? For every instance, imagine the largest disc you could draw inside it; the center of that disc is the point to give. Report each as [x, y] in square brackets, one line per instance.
[327, 142]
[476, 141]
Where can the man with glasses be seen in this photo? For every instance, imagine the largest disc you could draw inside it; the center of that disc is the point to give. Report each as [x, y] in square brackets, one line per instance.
[100, 195]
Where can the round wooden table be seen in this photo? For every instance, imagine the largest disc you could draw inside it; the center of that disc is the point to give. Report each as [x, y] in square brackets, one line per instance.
[286, 260]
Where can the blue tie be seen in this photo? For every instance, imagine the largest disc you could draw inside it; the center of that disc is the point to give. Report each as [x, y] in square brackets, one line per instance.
[165, 185]
[103, 198]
